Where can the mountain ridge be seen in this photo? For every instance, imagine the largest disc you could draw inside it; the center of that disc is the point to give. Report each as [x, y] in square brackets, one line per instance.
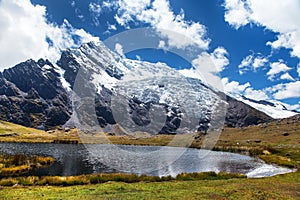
[38, 94]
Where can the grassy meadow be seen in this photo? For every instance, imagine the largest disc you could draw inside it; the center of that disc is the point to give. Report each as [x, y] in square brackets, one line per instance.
[279, 187]
[277, 142]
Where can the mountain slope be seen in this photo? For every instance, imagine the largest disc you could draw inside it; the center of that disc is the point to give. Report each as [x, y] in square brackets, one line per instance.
[94, 85]
[274, 109]
[31, 94]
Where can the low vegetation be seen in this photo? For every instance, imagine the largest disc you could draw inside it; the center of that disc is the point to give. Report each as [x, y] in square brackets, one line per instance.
[277, 142]
[278, 187]
[103, 178]
[15, 165]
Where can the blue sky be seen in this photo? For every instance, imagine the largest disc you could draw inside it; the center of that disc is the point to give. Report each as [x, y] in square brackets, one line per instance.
[254, 44]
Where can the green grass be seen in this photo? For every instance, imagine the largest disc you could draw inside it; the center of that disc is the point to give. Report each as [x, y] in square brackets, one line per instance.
[103, 178]
[15, 165]
[274, 147]
[279, 187]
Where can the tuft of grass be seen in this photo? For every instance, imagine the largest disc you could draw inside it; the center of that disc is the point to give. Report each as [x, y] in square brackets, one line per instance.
[103, 178]
[44, 160]
[62, 181]
[14, 165]
[279, 187]
[8, 182]
[207, 176]
[279, 160]
[15, 170]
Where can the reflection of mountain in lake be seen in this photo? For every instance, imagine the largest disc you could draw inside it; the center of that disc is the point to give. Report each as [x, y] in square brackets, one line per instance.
[76, 160]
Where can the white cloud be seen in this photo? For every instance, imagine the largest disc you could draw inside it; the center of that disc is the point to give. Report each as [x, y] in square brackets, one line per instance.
[191, 73]
[208, 65]
[277, 68]
[287, 76]
[278, 92]
[252, 62]
[178, 32]
[109, 4]
[298, 69]
[288, 90]
[24, 32]
[112, 27]
[162, 44]
[128, 9]
[95, 9]
[138, 57]
[234, 88]
[281, 17]
[214, 62]
[119, 49]
[245, 64]
[259, 62]
[219, 57]
[255, 94]
[236, 13]
[291, 107]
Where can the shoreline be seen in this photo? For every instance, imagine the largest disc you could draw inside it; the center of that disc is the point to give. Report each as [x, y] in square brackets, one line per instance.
[265, 153]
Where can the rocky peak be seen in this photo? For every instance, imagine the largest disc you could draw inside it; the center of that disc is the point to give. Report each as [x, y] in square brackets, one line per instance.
[31, 74]
[32, 95]
[240, 114]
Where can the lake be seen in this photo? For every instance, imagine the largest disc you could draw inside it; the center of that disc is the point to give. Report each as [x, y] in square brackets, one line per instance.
[77, 159]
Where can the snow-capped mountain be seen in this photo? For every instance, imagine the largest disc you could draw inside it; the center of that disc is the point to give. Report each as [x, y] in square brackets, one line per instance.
[93, 83]
[274, 109]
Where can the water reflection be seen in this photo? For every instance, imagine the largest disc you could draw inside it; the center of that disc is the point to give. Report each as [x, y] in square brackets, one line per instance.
[86, 159]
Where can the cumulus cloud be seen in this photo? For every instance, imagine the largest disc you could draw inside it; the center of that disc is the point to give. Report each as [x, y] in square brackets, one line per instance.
[292, 107]
[236, 13]
[174, 28]
[252, 63]
[112, 27]
[255, 94]
[119, 49]
[236, 89]
[278, 16]
[25, 33]
[286, 76]
[277, 68]
[95, 9]
[281, 17]
[208, 65]
[288, 90]
[233, 87]
[278, 92]
[215, 61]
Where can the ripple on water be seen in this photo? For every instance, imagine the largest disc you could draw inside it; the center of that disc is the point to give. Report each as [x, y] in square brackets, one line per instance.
[159, 161]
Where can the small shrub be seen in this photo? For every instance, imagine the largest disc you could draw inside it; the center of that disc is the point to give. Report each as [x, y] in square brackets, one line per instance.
[8, 182]
[44, 160]
[18, 159]
[15, 170]
[27, 181]
[166, 178]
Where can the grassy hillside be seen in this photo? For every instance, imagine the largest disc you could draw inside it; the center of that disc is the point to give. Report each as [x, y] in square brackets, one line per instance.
[10, 132]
